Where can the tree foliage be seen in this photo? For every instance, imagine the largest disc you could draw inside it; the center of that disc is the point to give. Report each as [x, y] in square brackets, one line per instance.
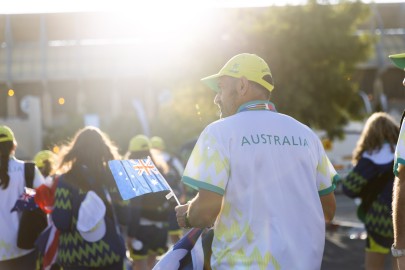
[312, 51]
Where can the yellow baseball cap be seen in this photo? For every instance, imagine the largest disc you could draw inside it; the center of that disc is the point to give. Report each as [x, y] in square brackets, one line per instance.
[43, 155]
[157, 143]
[398, 60]
[139, 143]
[6, 134]
[247, 65]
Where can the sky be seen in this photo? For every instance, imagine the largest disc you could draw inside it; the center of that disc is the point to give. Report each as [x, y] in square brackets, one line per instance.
[56, 6]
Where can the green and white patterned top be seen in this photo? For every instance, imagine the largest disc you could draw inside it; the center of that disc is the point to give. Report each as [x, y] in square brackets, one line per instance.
[271, 170]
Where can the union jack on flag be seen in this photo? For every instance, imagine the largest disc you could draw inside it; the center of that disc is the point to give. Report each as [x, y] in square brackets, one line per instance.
[26, 201]
[136, 177]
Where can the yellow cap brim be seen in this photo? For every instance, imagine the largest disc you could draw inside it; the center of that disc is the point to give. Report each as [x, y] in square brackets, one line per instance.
[245, 65]
[398, 60]
[212, 82]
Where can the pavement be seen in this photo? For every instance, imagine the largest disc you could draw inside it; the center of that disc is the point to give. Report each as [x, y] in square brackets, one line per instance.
[345, 238]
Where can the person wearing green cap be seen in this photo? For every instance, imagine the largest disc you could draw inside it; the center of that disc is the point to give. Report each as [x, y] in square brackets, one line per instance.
[45, 161]
[264, 181]
[398, 204]
[147, 228]
[12, 183]
[398, 60]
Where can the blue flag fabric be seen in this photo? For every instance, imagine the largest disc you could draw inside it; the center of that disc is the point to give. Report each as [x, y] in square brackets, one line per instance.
[25, 202]
[136, 177]
[189, 245]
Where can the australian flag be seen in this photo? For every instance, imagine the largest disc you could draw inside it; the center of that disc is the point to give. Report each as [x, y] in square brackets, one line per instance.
[136, 177]
[47, 245]
[186, 254]
[26, 201]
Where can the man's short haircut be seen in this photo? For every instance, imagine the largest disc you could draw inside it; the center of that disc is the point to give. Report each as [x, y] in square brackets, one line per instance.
[262, 89]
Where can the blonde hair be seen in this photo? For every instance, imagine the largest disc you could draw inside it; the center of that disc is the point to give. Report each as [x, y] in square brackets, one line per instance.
[380, 128]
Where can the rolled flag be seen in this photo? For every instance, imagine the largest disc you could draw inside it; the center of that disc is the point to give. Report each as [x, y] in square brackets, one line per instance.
[136, 177]
[187, 253]
[26, 201]
[47, 245]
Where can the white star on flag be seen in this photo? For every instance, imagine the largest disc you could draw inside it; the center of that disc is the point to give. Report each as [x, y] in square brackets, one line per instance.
[154, 182]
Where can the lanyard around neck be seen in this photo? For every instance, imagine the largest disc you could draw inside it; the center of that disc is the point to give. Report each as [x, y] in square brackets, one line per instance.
[257, 106]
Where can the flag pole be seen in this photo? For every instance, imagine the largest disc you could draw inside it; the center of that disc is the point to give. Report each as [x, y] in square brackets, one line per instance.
[175, 197]
[171, 193]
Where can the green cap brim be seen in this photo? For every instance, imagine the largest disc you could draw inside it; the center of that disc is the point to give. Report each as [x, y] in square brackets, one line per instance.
[398, 60]
[212, 82]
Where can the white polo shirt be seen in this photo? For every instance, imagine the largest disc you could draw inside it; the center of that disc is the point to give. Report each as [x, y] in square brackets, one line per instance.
[271, 171]
[9, 221]
[400, 149]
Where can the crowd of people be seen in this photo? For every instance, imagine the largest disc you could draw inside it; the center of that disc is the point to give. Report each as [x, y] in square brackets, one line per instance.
[263, 183]
[95, 226]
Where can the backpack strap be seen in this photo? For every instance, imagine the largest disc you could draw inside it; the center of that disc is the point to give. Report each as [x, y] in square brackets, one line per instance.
[29, 173]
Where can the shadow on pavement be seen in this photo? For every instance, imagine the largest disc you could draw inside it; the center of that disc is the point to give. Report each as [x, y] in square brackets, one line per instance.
[344, 249]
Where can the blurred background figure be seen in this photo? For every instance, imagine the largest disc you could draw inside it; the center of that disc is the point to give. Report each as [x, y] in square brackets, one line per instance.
[45, 195]
[45, 161]
[87, 239]
[371, 179]
[159, 146]
[148, 227]
[173, 177]
[12, 183]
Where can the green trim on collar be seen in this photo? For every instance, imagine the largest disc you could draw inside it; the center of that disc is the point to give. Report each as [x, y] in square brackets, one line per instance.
[198, 184]
[245, 106]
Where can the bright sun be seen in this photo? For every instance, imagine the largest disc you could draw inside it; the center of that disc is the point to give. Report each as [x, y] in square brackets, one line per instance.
[47, 6]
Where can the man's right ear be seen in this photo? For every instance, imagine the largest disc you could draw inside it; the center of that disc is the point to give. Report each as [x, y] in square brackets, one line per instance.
[243, 85]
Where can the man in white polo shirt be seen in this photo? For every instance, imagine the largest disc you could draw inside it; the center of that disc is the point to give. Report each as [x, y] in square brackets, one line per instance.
[398, 202]
[263, 179]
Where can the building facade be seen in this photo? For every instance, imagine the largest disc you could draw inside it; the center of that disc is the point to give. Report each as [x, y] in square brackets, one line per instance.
[95, 64]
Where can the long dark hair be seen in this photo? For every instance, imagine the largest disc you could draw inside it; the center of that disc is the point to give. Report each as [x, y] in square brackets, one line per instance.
[89, 147]
[5, 150]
